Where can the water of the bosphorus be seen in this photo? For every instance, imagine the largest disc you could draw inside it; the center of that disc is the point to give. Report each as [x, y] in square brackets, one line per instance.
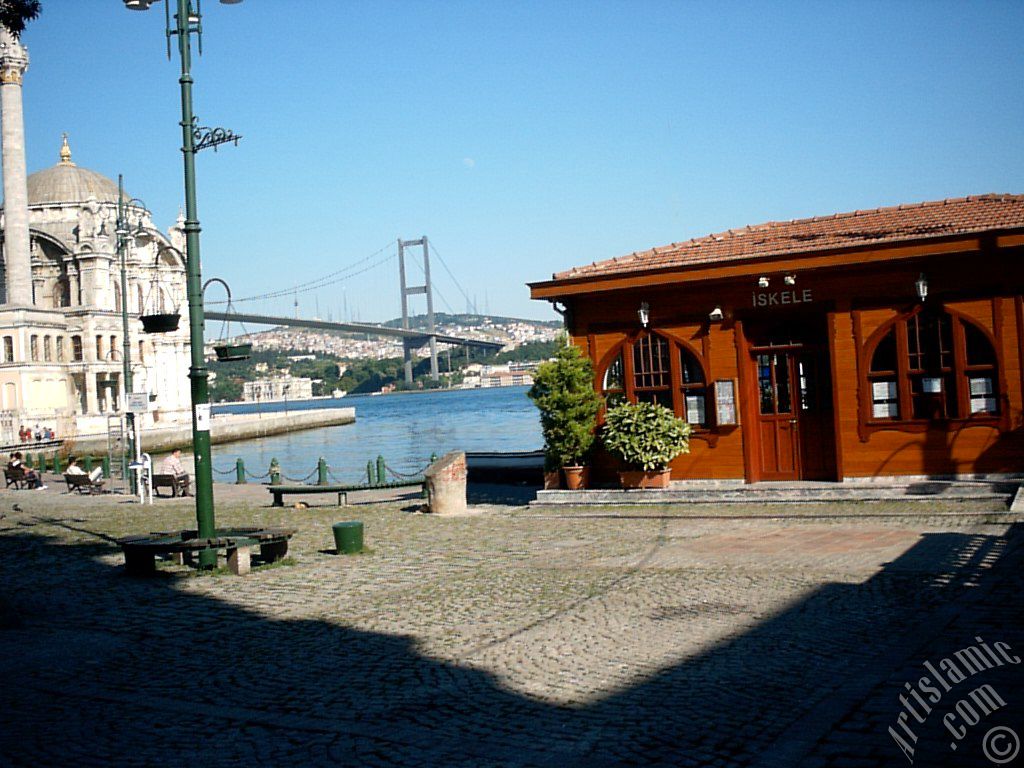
[404, 428]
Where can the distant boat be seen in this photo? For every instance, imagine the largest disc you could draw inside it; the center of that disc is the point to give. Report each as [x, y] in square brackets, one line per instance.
[484, 466]
[338, 393]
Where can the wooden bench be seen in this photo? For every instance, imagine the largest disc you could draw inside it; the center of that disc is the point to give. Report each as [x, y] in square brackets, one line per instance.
[166, 481]
[279, 491]
[140, 551]
[83, 484]
[16, 477]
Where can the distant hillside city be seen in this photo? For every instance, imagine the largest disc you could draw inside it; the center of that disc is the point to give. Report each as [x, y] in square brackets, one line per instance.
[291, 363]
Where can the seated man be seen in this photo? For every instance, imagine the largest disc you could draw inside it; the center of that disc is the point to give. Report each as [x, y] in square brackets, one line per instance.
[95, 477]
[172, 466]
[31, 477]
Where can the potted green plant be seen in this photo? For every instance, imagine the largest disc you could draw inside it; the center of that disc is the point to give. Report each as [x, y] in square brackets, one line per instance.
[563, 391]
[646, 436]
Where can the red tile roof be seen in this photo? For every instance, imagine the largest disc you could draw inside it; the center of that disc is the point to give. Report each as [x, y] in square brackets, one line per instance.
[964, 215]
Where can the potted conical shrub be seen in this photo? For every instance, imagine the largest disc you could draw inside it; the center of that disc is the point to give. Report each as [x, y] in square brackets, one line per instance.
[563, 391]
[646, 437]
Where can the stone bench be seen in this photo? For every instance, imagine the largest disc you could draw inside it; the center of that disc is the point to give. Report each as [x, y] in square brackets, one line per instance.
[140, 551]
[280, 491]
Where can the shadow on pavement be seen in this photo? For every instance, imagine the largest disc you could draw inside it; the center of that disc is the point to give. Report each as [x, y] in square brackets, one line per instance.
[102, 669]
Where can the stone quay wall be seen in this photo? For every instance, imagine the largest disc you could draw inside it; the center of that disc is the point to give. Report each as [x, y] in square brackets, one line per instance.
[226, 428]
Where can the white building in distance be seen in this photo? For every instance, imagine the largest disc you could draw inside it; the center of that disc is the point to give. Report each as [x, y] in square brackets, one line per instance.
[278, 388]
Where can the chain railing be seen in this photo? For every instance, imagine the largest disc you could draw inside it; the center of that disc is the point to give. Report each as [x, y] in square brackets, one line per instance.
[376, 476]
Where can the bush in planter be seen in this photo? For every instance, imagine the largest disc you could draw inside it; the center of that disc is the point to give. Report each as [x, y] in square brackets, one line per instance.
[563, 391]
[645, 435]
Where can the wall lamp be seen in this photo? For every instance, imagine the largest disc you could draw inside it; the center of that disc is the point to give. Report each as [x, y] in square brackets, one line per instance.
[921, 285]
[644, 313]
[789, 279]
[716, 314]
[762, 282]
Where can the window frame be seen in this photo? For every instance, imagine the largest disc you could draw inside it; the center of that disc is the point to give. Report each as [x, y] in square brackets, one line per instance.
[957, 371]
[676, 387]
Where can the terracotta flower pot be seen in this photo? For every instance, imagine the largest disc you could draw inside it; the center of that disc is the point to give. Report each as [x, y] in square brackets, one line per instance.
[575, 477]
[642, 479]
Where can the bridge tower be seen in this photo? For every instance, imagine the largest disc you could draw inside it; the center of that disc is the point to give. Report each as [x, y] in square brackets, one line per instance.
[409, 345]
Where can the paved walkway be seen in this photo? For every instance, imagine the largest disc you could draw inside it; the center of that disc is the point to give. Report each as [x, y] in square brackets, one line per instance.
[508, 637]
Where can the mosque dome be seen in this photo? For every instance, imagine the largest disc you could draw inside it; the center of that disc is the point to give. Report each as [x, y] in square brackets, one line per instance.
[68, 183]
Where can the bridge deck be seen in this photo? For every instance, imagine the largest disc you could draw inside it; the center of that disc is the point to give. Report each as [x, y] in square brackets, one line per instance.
[378, 330]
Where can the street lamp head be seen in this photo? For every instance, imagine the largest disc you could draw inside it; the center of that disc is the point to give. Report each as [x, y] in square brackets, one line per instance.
[145, 5]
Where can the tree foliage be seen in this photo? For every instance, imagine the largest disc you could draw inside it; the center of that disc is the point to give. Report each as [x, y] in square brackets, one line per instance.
[15, 14]
[645, 435]
[563, 391]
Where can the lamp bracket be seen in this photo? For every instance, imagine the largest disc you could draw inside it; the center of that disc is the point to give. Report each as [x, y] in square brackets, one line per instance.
[204, 137]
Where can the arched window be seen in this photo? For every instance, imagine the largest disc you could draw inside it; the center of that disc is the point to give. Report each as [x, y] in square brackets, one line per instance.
[117, 297]
[47, 349]
[930, 365]
[652, 375]
[613, 385]
[654, 369]
[76, 348]
[694, 388]
[139, 300]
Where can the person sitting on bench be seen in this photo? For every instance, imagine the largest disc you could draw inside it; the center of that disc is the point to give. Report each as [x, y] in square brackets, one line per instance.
[172, 466]
[17, 465]
[95, 477]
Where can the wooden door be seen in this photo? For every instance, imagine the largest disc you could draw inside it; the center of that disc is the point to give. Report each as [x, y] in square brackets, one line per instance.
[778, 421]
[814, 412]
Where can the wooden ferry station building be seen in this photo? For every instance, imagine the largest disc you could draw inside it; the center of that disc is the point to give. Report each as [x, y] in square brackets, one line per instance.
[856, 345]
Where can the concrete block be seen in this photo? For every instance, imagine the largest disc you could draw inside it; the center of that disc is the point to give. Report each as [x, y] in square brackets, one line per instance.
[1018, 501]
[239, 560]
[445, 483]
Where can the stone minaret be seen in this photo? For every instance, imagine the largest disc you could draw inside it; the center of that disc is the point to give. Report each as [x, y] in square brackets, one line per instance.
[13, 63]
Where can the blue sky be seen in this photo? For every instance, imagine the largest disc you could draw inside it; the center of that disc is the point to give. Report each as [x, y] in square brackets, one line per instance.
[528, 137]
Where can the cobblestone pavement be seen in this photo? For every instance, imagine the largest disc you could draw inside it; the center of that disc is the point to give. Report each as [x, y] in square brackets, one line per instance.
[506, 637]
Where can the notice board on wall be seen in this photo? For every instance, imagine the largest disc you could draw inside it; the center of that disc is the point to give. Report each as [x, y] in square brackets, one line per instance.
[725, 403]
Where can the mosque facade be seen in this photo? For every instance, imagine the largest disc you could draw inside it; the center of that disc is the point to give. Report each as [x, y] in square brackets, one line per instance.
[61, 324]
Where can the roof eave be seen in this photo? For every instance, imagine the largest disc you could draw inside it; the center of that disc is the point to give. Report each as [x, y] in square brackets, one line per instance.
[893, 250]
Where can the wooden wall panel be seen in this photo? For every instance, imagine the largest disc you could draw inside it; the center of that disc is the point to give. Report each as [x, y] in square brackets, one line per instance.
[859, 300]
[964, 449]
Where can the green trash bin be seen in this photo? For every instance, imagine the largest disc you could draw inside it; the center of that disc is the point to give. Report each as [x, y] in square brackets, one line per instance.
[348, 537]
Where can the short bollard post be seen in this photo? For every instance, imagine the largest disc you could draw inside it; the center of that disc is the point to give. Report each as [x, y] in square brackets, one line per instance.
[106, 466]
[381, 477]
[239, 472]
[87, 464]
[371, 478]
[423, 493]
[321, 471]
[28, 461]
[275, 472]
[42, 462]
[348, 537]
[58, 467]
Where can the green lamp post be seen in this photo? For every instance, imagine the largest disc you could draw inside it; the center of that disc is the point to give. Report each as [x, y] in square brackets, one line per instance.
[186, 22]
